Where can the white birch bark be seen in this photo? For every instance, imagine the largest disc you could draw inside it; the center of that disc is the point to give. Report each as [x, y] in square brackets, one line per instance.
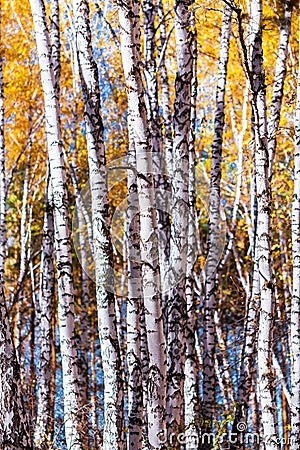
[155, 127]
[2, 175]
[14, 425]
[23, 261]
[279, 78]
[44, 427]
[61, 233]
[84, 335]
[176, 305]
[191, 369]
[165, 92]
[55, 43]
[134, 363]
[263, 244]
[295, 306]
[84, 332]
[214, 227]
[113, 436]
[137, 123]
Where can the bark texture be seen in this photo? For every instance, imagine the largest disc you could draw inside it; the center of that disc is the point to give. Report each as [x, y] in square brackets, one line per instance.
[44, 428]
[2, 168]
[176, 305]
[134, 363]
[113, 436]
[263, 241]
[214, 243]
[137, 123]
[295, 306]
[14, 425]
[66, 318]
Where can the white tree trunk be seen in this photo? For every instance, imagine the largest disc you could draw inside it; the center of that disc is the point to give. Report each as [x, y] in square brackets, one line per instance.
[102, 249]
[214, 227]
[155, 127]
[295, 306]
[165, 92]
[14, 426]
[45, 414]
[176, 305]
[137, 122]
[61, 233]
[2, 177]
[263, 243]
[191, 369]
[279, 78]
[134, 363]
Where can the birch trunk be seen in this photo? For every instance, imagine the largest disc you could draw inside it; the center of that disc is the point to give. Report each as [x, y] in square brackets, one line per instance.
[61, 233]
[84, 324]
[280, 74]
[176, 306]
[44, 428]
[137, 123]
[155, 128]
[55, 43]
[165, 92]
[134, 363]
[191, 370]
[2, 170]
[14, 426]
[263, 245]
[214, 228]
[84, 334]
[113, 436]
[295, 306]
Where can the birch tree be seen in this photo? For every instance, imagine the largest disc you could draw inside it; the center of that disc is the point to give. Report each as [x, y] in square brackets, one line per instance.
[214, 225]
[14, 425]
[102, 250]
[2, 167]
[137, 124]
[279, 78]
[191, 371]
[263, 240]
[295, 306]
[165, 101]
[134, 363]
[155, 127]
[61, 232]
[44, 428]
[176, 306]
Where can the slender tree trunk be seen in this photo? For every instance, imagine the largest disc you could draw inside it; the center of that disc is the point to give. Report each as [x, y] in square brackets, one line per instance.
[2, 167]
[14, 426]
[137, 123]
[96, 438]
[102, 251]
[295, 306]
[263, 244]
[83, 314]
[44, 428]
[84, 326]
[61, 233]
[176, 305]
[165, 92]
[160, 177]
[55, 43]
[214, 228]
[280, 73]
[134, 363]
[191, 370]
